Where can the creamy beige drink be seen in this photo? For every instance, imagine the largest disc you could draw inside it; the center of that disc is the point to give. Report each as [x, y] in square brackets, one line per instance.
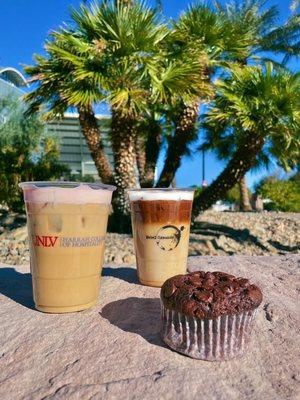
[66, 227]
[161, 227]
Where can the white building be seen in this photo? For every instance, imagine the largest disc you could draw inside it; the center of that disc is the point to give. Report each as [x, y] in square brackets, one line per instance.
[74, 151]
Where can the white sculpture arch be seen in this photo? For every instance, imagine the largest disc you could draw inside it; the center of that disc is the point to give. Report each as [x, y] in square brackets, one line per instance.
[13, 76]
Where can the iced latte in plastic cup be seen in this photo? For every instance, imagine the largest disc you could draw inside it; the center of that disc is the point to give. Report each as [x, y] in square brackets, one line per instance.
[161, 227]
[66, 229]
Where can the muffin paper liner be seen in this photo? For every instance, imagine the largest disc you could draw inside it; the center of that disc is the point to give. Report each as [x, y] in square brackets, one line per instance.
[207, 339]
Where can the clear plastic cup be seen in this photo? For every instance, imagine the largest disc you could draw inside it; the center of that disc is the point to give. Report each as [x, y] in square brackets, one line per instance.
[67, 224]
[161, 221]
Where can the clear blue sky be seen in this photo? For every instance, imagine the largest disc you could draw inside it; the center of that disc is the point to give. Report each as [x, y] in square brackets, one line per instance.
[24, 25]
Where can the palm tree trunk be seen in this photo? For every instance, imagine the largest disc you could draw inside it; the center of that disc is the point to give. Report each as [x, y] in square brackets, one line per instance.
[152, 149]
[91, 132]
[244, 195]
[185, 132]
[241, 162]
[140, 155]
[123, 134]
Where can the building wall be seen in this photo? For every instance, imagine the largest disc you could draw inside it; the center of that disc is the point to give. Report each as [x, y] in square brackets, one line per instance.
[7, 89]
[73, 148]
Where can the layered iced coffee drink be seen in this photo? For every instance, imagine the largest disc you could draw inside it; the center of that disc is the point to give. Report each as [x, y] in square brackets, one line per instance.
[66, 228]
[161, 228]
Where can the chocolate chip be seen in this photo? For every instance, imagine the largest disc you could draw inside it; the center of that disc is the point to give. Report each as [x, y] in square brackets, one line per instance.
[208, 283]
[204, 296]
[209, 275]
[235, 285]
[169, 288]
[254, 294]
[189, 307]
[178, 280]
[195, 280]
[243, 282]
[226, 277]
[218, 294]
[228, 289]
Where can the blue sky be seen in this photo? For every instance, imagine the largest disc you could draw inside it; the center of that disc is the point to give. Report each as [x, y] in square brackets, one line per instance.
[24, 25]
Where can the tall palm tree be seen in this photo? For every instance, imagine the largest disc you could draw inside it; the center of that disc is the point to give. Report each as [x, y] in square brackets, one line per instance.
[115, 53]
[55, 81]
[239, 31]
[260, 106]
[200, 31]
[223, 140]
[136, 73]
[148, 145]
[256, 29]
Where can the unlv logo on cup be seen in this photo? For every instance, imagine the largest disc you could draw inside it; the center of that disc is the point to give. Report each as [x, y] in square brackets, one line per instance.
[44, 241]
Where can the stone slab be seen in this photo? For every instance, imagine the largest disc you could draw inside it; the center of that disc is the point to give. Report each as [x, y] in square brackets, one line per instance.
[114, 351]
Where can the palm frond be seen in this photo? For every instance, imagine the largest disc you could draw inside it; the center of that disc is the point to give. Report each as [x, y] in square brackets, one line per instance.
[262, 101]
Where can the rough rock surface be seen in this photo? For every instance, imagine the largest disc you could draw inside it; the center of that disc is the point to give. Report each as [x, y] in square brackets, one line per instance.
[214, 233]
[114, 351]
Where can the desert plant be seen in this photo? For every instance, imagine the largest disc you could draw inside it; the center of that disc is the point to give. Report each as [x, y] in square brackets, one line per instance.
[26, 152]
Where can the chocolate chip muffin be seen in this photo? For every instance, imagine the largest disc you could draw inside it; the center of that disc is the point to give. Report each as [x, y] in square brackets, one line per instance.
[208, 315]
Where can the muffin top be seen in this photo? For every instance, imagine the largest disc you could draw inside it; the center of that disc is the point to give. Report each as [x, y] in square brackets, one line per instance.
[210, 294]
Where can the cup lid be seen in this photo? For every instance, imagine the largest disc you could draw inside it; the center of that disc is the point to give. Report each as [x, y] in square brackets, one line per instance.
[65, 185]
[161, 194]
[67, 192]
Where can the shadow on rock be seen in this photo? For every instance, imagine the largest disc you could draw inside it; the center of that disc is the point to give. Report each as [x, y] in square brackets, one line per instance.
[16, 286]
[10, 220]
[136, 315]
[125, 273]
[239, 235]
[283, 247]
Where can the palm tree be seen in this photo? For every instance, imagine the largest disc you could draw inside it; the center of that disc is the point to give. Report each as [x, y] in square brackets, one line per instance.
[200, 30]
[55, 82]
[260, 106]
[223, 143]
[294, 5]
[148, 145]
[236, 32]
[117, 54]
[135, 72]
[255, 28]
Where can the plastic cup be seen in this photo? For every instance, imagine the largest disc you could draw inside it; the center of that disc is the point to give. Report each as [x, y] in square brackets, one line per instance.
[161, 221]
[67, 224]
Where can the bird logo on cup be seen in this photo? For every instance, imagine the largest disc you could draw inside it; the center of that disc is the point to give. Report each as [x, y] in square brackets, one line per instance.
[168, 237]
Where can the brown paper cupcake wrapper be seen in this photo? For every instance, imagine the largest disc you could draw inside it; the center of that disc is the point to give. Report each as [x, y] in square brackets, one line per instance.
[207, 339]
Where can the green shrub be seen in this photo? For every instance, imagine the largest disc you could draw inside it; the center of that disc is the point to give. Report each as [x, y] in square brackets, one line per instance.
[234, 195]
[80, 178]
[26, 152]
[198, 190]
[284, 194]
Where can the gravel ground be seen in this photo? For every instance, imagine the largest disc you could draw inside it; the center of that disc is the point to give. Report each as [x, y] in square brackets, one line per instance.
[213, 233]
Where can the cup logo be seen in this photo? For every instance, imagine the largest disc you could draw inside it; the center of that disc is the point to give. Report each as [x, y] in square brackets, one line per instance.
[168, 237]
[56, 241]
